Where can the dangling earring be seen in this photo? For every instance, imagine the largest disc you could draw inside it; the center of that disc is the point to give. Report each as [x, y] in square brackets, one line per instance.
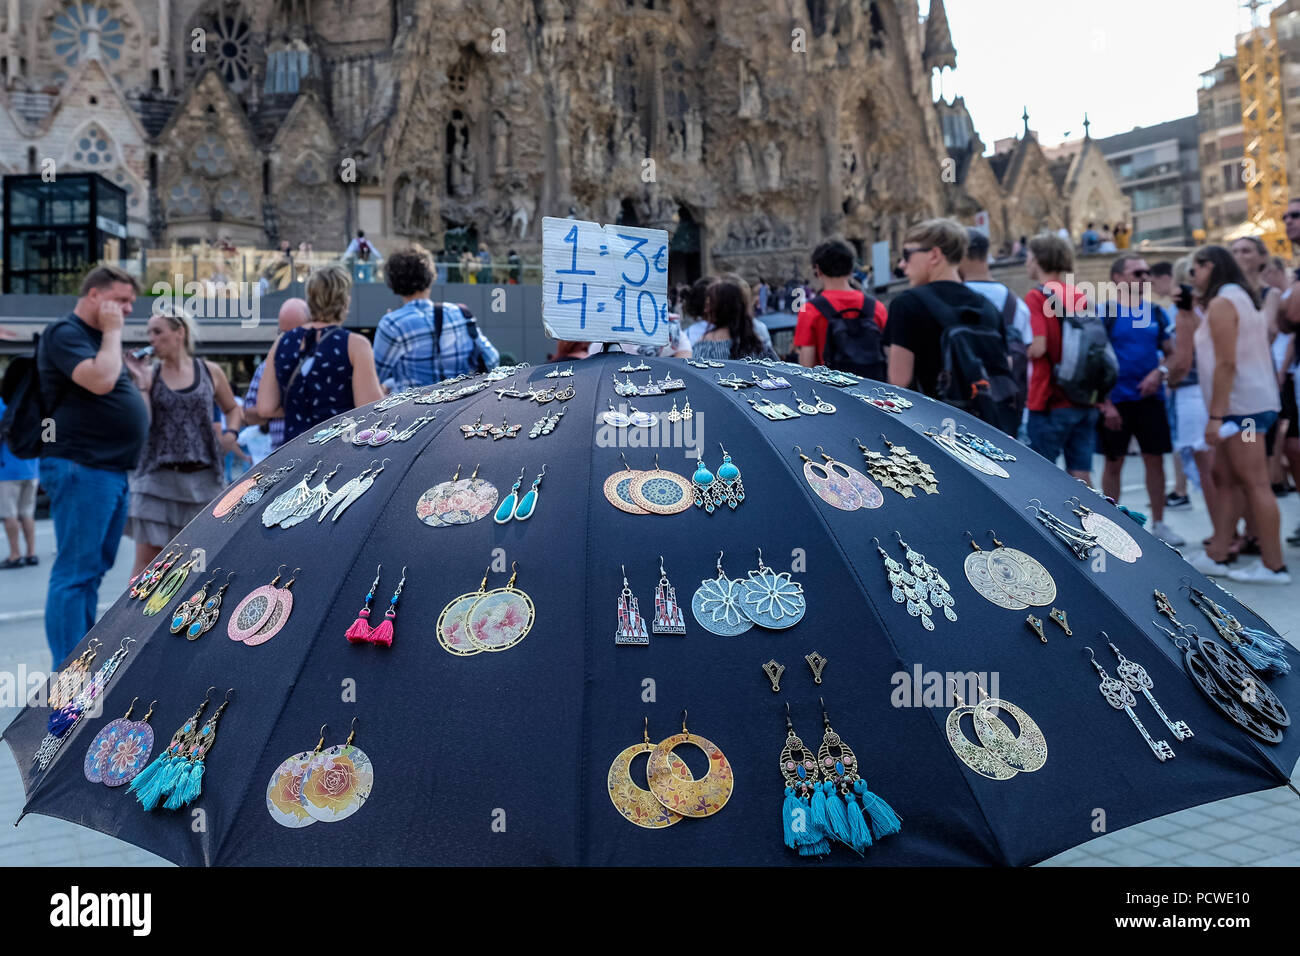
[252, 612]
[287, 502]
[704, 486]
[772, 599]
[905, 588]
[506, 510]
[501, 618]
[690, 798]
[189, 609]
[871, 496]
[638, 805]
[1120, 697]
[687, 412]
[149, 579]
[120, 750]
[528, 503]
[72, 678]
[383, 634]
[174, 581]
[314, 501]
[207, 617]
[733, 490]
[1139, 681]
[64, 721]
[1024, 753]
[360, 631]
[336, 497]
[668, 613]
[930, 583]
[674, 416]
[716, 605]
[852, 824]
[631, 625]
[804, 830]
[188, 782]
[157, 779]
[835, 491]
[279, 615]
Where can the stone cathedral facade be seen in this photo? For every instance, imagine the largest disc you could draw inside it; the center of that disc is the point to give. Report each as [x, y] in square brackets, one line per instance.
[747, 128]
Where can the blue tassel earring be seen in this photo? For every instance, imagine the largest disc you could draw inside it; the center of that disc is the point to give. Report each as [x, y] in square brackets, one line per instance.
[189, 780]
[866, 817]
[156, 780]
[804, 826]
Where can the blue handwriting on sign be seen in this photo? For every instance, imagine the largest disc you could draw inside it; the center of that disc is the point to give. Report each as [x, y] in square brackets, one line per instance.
[637, 243]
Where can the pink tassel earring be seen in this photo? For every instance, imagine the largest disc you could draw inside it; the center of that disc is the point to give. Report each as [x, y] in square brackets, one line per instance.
[383, 634]
[360, 632]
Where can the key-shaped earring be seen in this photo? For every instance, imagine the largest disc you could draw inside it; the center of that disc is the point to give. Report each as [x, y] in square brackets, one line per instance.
[1139, 681]
[1120, 697]
[528, 503]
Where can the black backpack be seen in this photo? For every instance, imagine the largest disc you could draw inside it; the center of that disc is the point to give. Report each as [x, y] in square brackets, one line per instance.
[1088, 369]
[976, 373]
[25, 410]
[853, 341]
[477, 364]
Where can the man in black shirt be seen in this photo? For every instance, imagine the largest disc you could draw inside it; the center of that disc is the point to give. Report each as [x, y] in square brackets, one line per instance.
[932, 250]
[98, 425]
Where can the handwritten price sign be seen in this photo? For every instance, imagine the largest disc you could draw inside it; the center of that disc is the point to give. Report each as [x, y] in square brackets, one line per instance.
[604, 283]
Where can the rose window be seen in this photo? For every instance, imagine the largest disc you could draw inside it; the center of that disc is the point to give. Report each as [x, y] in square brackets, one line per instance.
[85, 29]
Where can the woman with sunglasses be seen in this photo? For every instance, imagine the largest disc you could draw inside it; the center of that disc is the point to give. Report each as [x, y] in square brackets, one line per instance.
[180, 469]
[1236, 371]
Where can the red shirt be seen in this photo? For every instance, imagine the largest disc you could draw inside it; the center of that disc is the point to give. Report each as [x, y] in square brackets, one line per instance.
[810, 326]
[1044, 320]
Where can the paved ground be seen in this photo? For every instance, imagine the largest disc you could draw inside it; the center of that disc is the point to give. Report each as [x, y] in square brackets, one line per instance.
[1259, 829]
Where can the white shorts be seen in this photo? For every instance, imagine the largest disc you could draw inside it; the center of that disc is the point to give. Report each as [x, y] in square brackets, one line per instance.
[1191, 417]
[18, 498]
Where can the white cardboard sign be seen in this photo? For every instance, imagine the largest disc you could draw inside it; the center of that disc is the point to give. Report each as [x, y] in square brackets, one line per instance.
[604, 283]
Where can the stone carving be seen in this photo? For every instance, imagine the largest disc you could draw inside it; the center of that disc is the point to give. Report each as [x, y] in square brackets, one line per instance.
[461, 164]
[694, 131]
[522, 212]
[745, 169]
[751, 99]
[772, 164]
[500, 142]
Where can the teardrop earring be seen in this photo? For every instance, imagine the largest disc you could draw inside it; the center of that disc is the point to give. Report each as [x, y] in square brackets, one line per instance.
[528, 503]
[506, 510]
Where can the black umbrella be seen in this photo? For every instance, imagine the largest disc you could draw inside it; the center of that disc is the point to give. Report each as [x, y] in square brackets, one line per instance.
[503, 756]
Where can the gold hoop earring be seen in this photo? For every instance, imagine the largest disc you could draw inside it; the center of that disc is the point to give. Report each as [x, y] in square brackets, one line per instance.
[635, 803]
[690, 798]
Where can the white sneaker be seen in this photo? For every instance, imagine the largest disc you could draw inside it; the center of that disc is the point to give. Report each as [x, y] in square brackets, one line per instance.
[1257, 573]
[1208, 566]
[1167, 534]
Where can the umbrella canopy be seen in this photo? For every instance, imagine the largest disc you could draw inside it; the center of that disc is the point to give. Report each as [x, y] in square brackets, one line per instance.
[502, 758]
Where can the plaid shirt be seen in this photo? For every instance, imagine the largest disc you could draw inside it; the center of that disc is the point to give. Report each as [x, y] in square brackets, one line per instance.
[276, 425]
[405, 353]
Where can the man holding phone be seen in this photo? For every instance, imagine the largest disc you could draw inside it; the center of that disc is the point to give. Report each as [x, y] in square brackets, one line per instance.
[99, 427]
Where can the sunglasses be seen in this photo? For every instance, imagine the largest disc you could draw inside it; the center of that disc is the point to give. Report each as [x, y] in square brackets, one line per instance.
[1290, 215]
[1141, 274]
[908, 253]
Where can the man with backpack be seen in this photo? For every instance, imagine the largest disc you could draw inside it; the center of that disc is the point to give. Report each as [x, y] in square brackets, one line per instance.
[947, 340]
[98, 425]
[423, 342]
[1062, 402]
[840, 327]
[1015, 314]
[1141, 336]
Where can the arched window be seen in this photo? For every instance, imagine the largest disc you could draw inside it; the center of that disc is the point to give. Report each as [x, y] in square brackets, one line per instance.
[86, 28]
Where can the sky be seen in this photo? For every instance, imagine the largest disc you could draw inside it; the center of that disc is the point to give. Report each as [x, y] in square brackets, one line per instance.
[1126, 63]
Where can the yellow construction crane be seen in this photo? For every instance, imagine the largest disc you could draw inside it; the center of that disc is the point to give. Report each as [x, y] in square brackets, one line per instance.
[1264, 157]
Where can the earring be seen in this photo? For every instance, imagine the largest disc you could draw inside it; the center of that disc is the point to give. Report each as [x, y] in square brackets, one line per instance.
[690, 798]
[501, 618]
[477, 430]
[905, 589]
[642, 419]
[805, 829]
[363, 437]
[804, 407]
[1076, 539]
[504, 430]
[262, 614]
[871, 495]
[69, 682]
[635, 803]
[458, 501]
[383, 435]
[361, 630]
[552, 422]
[716, 605]
[816, 664]
[253, 495]
[983, 762]
[1058, 616]
[615, 418]
[832, 489]
[314, 786]
[315, 499]
[64, 721]
[704, 485]
[668, 613]
[981, 578]
[383, 634]
[287, 502]
[208, 616]
[120, 750]
[1120, 697]
[674, 416]
[733, 489]
[537, 426]
[631, 625]
[528, 503]
[773, 670]
[1021, 576]
[823, 407]
[1139, 681]
[187, 784]
[771, 599]
[367, 482]
[929, 581]
[451, 622]
[506, 510]
[1110, 536]
[409, 431]
[189, 609]
[617, 489]
[1024, 753]
[852, 824]
[687, 412]
[148, 785]
[167, 589]
[153, 574]
[1036, 625]
[661, 492]
[336, 497]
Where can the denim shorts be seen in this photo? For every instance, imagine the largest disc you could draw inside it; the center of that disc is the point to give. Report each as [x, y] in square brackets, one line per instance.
[1071, 430]
[1263, 420]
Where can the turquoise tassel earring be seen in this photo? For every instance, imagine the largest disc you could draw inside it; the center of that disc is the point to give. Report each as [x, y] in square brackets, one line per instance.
[157, 779]
[804, 826]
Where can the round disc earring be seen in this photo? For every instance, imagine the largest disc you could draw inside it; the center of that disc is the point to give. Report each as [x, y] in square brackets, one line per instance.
[636, 804]
[690, 798]
[717, 607]
[451, 622]
[501, 618]
[661, 492]
[618, 489]
[278, 617]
